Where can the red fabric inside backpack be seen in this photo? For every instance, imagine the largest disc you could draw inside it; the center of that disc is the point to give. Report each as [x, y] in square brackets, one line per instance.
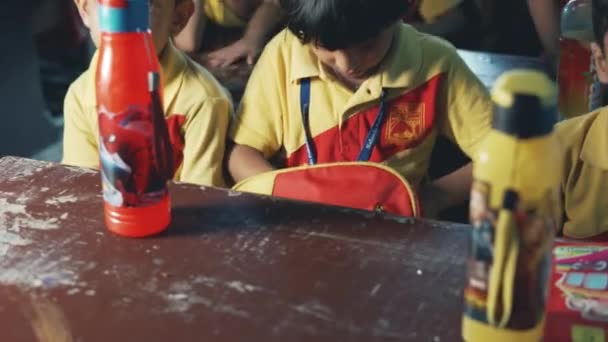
[356, 186]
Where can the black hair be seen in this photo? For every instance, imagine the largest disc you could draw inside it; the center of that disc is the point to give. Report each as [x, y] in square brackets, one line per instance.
[599, 13]
[339, 24]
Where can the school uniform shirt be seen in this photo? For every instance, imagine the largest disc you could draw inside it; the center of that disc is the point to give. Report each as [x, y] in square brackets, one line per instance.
[197, 112]
[585, 180]
[218, 12]
[429, 88]
[431, 9]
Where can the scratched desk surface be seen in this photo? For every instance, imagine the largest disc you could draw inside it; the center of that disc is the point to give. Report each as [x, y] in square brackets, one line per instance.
[232, 267]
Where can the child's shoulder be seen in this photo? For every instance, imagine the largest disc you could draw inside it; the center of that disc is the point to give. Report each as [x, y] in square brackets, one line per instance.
[427, 54]
[584, 137]
[285, 44]
[83, 88]
[199, 82]
[434, 49]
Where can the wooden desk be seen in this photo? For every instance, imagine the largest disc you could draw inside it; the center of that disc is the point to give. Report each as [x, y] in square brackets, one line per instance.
[232, 267]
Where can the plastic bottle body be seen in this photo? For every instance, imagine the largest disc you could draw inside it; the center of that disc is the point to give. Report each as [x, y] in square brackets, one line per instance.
[515, 211]
[134, 148]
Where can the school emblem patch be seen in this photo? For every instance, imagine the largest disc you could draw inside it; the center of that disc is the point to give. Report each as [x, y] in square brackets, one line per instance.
[405, 123]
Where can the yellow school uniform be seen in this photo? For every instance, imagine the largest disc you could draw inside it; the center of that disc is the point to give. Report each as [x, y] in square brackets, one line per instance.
[429, 10]
[585, 181]
[197, 112]
[218, 12]
[429, 88]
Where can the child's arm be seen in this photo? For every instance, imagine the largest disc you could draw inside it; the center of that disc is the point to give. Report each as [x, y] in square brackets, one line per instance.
[245, 161]
[190, 38]
[545, 14]
[446, 192]
[265, 19]
[451, 21]
[79, 143]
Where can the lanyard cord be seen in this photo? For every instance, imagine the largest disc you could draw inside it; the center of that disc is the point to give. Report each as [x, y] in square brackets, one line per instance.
[370, 140]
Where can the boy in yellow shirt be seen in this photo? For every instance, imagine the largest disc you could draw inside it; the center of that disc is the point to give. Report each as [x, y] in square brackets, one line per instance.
[341, 61]
[197, 109]
[585, 138]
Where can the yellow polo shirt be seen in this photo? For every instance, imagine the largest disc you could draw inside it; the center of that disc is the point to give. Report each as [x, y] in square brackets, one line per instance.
[431, 9]
[221, 14]
[197, 111]
[585, 182]
[430, 91]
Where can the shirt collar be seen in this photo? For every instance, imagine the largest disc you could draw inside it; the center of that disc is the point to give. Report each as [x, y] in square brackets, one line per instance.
[593, 150]
[399, 69]
[172, 64]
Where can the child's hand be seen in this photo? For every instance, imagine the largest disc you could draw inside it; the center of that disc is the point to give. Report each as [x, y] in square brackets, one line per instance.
[239, 50]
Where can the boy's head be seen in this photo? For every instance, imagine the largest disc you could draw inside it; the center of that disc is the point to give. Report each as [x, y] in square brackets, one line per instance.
[167, 18]
[349, 36]
[599, 47]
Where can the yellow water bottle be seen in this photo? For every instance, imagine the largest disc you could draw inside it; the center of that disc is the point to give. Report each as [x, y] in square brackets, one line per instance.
[515, 212]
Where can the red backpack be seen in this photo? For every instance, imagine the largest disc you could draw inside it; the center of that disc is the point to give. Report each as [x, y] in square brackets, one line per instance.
[360, 184]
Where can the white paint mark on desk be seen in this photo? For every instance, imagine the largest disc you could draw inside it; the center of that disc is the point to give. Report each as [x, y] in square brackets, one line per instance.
[177, 296]
[25, 168]
[232, 193]
[208, 281]
[232, 311]
[181, 297]
[12, 239]
[375, 290]
[46, 268]
[73, 291]
[61, 200]
[15, 215]
[316, 310]
[64, 216]
[80, 169]
[242, 287]
[419, 272]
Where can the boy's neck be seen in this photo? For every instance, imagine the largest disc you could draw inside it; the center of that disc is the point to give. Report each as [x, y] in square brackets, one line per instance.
[350, 83]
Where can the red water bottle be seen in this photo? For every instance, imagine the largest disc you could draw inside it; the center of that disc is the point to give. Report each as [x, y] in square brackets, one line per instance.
[134, 147]
[575, 74]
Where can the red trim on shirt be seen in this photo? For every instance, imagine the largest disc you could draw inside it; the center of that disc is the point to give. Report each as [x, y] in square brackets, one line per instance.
[410, 120]
[175, 123]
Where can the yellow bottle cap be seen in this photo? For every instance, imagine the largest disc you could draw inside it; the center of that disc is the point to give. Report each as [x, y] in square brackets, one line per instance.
[525, 103]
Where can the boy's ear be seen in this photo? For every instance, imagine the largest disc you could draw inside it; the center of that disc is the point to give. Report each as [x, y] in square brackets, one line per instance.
[181, 16]
[83, 10]
[601, 64]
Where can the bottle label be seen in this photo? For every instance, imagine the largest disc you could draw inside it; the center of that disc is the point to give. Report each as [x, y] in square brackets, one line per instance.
[519, 299]
[135, 153]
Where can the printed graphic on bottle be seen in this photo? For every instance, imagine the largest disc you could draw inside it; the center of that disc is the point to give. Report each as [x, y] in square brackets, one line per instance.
[532, 229]
[135, 153]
